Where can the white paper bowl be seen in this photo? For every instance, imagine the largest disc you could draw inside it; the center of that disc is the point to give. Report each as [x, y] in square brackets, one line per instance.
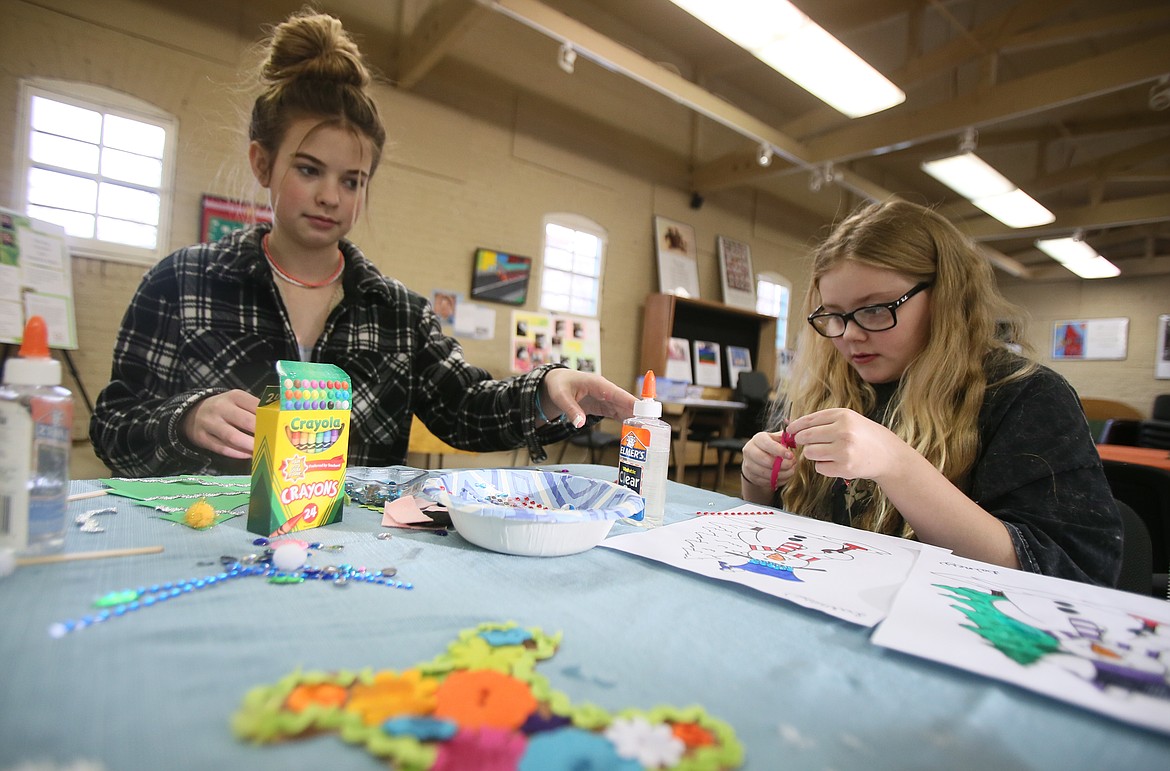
[530, 512]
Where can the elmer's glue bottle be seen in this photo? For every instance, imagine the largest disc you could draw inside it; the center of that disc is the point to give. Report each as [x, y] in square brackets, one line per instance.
[644, 453]
[36, 433]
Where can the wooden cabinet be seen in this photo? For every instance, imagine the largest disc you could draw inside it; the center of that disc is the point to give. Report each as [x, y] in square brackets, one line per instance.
[668, 316]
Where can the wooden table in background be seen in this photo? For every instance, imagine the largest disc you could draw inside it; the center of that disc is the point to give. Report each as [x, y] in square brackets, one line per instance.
[1145, 456]
[679, 414]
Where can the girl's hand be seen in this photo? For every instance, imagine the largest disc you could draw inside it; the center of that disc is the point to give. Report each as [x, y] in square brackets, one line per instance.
[224, 424]
[578, 394]
[767, 462]
[845, 444]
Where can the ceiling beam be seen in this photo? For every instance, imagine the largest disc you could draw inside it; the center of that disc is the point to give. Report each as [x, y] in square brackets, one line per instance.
[615, 57]
[1102, 168]
[1080, 31]
[432, 37]
[1112, 71]
[1108, 214]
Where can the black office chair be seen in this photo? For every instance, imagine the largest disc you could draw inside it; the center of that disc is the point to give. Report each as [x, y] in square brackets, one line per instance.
[1137, 560]
[1146, 490]
[1155, 432]
[752, 388]
[595, 440]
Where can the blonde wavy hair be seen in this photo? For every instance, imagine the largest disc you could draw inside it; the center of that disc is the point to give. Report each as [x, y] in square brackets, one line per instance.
[935, 408]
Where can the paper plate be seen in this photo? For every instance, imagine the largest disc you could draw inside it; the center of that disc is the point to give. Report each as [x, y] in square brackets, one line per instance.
[531, 512]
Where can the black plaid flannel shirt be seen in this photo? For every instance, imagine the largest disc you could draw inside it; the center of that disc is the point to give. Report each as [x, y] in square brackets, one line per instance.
[209, 318]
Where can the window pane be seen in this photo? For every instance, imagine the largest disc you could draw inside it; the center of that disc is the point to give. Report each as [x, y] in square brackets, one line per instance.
[583, 307]
[554, 301]
[75, 223]
[64, 191]
[66, 153]
[585, 288]
[142, 138]
[558, 237]
[66, 120]
[129, 167]
[586, 244]
[585, 264]
[130, 233]
[557, 281]
[558, 258]
[128, 204]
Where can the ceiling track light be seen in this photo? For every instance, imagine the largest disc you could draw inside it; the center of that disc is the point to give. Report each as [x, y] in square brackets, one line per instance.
[764, 154]
[567, 57]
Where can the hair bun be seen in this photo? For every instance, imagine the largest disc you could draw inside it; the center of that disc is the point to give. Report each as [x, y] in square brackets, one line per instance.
[315, 46]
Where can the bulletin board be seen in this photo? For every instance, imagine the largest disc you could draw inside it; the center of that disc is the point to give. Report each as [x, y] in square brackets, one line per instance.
[1090, 339]
[36, 279]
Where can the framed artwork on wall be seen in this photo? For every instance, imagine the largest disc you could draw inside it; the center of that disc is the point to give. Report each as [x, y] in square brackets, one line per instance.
[220, 216]
[500, 277]
[678, 270]
[1090, 339]
[735, 273]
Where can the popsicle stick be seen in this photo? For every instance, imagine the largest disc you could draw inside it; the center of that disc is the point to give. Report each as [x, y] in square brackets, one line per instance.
[90, 494]
[87, 555]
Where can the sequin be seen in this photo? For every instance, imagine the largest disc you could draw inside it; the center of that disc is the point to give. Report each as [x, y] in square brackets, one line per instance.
[389, 572]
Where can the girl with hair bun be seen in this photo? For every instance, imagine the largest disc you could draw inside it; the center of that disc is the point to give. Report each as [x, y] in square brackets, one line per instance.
[910, 416]
[207, 324]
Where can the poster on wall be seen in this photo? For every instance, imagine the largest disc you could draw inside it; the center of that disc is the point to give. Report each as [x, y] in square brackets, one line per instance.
[36, 279]
[531, 340]
[1162, 356]
[1090, 339]
[678, 271]
[576, 342]
[500, 277]
[735, 273]
[220, 216]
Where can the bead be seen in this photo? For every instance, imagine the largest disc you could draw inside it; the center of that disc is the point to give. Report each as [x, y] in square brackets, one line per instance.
[260, 542]
[384, 536]
[389, 572]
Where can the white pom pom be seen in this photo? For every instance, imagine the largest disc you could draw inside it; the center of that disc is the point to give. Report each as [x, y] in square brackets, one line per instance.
[289, 556]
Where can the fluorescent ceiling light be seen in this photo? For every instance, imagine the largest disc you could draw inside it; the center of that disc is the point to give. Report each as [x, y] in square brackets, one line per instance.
[971, 177]
[1078, 257]
[1016, 209]
[784, 38]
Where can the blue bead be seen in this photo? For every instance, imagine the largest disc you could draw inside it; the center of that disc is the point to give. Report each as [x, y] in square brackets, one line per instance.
[260, 542]
[133, 605]
[148, 601]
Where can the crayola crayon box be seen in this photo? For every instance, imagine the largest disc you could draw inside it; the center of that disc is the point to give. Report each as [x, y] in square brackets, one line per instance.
[302, 434]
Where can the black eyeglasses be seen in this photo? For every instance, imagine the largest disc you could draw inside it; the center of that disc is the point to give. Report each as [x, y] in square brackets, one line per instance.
[872, 318]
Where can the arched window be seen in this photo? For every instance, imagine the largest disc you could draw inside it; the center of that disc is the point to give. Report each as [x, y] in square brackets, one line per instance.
[773, 297]
[574, 253]
[99, 163]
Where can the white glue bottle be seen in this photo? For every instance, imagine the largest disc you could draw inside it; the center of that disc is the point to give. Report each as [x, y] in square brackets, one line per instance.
[644, 453]
[36, 434]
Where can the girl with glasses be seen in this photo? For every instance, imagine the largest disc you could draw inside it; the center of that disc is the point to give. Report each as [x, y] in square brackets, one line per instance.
[906, 415]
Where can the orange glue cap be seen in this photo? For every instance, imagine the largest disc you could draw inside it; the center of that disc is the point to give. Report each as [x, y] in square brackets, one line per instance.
[35, 343]
[649, 386]
[34, 366]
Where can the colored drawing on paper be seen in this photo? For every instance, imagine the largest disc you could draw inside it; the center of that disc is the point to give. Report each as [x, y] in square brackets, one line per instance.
[847, 573]
[1105, 650]
[481, 704]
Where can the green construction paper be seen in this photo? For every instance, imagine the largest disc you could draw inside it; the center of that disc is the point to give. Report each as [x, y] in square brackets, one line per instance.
[180, 517]
[223, 493]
